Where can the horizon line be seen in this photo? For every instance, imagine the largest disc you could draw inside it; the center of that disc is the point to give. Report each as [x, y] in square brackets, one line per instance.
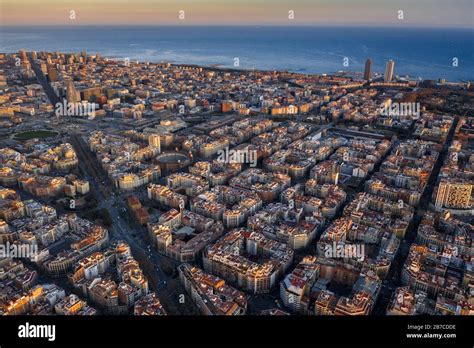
[266, 25]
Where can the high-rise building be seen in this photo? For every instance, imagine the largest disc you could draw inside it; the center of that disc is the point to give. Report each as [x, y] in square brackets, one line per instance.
[72, 95]
[368, 69]
[389, 71]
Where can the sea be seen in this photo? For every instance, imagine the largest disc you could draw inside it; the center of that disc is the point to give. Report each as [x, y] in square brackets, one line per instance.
[427, 53]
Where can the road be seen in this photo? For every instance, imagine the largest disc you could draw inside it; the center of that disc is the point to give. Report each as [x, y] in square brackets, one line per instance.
[43, 81]
[114, 202]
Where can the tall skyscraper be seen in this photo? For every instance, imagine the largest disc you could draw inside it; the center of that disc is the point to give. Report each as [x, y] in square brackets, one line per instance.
[72, 95]
[389, 71]
[368, 69]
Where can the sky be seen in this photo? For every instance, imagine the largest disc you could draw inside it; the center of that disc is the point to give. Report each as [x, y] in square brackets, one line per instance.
[416, 13]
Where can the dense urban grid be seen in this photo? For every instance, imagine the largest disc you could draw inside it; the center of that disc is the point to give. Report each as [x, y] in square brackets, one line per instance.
[162, 189]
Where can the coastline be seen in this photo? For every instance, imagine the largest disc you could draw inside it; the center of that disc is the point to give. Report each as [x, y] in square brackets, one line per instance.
[418, 52]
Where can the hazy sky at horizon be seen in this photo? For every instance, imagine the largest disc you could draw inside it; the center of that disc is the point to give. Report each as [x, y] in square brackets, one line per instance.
[450, 13]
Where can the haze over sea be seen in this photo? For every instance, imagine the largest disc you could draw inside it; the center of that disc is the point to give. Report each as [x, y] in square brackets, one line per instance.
[418, 52]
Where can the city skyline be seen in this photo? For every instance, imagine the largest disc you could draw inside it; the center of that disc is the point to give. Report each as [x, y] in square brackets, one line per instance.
[283, 185]
[424, 13]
